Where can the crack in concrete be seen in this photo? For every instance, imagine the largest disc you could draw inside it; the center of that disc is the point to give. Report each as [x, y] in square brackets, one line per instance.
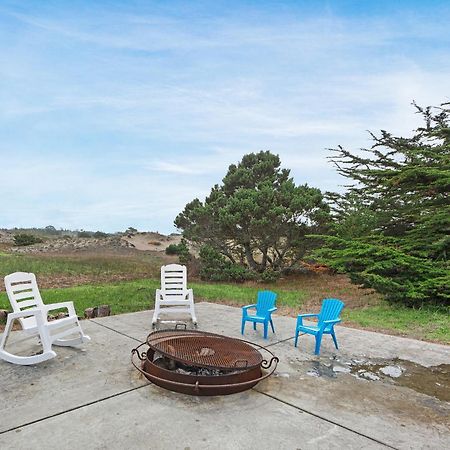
[75, 408]
[324, 419]
[112, 329]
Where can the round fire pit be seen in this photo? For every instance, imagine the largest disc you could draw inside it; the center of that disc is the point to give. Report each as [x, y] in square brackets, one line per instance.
[200, 363]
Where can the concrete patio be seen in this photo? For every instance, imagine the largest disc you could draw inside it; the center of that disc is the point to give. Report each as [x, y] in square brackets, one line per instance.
[92, 398]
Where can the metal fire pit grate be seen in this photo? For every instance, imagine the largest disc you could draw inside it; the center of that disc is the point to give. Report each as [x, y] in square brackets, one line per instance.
[240, 363]
[202, 349]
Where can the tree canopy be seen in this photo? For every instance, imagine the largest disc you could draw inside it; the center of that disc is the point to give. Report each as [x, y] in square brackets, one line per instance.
[391, 228]
[258, 217]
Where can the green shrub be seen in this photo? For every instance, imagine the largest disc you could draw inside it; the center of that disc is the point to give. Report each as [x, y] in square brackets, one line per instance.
[181, 249]
[269, 276]
[24, 239]
[214, 267]
[172, 249]
[84, 234]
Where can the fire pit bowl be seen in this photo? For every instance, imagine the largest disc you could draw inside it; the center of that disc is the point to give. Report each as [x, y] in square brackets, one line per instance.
[200, 363]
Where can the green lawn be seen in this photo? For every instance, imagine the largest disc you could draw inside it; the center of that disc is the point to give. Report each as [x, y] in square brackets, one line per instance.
[426, 323]
[140, 294]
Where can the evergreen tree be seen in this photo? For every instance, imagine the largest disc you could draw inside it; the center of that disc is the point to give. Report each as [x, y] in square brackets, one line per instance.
[258, 218]
[391, 228]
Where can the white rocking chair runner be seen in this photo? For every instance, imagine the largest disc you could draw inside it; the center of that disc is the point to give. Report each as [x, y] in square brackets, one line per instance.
[30, 310]
[174, 297]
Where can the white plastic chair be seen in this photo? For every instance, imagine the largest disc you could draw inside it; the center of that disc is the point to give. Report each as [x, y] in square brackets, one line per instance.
[174, 297]
[29, 309]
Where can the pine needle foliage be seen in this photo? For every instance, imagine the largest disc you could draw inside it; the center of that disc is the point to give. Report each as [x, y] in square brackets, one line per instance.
[391, 228]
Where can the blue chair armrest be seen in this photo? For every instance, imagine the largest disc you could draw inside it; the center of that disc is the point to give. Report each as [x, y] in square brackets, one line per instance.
[301, 316]
[248, 306]
[271, 310]
[329, 322]
[332, 321]
[245, 309]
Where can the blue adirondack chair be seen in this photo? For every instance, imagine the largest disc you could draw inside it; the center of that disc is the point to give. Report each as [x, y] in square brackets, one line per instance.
[265, 306]
[327, 319]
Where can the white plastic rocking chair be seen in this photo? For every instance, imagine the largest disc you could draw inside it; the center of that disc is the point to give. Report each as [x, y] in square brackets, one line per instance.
[174, 297]
[29, 309]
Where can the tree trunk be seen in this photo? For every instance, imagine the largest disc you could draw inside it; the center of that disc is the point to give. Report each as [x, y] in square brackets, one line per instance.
[264, 259]
[249, 256]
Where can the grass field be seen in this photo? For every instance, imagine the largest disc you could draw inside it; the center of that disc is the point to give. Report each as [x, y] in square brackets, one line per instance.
[90, 281]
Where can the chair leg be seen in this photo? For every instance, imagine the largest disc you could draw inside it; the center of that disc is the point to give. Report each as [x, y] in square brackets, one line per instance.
[334, 339]
[254, 326]
[318, 342]
[265, 330]
[192, 310]
[156, 313]
[46, 354]
[243, 326]
[6, 331]
[296, 338]
[271, 324]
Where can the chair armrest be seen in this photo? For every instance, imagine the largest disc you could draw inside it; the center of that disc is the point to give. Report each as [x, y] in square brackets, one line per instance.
[301, 316]
[26, 313]
[248, 307]
[271, 310]
[68, 305]
[190, 294]
[329, 322]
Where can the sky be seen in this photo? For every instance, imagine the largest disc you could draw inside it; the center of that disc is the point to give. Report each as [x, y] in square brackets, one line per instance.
[118, 113]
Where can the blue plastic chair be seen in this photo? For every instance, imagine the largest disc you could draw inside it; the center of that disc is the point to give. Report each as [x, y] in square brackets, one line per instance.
[265, 306]
[327, 319]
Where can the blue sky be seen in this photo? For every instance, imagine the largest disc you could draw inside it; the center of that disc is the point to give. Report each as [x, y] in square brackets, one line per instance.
[116, 114]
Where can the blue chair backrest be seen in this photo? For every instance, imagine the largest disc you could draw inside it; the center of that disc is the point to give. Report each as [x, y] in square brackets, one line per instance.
[265, 301]
[331, 308]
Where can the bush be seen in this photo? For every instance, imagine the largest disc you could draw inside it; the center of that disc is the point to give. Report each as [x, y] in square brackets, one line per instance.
[269, 276]
[214, 267]
[181, 249]
[177, 249]
[172, 249]
[399, 276]
[84, 234]
[24, 239]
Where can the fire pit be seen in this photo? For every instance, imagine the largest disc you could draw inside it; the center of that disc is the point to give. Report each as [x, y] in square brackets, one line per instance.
[200, 363]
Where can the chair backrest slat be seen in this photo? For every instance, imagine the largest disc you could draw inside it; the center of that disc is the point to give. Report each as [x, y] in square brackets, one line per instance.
[174, 280]
[265, 301]
[23, 291]
[331, 308]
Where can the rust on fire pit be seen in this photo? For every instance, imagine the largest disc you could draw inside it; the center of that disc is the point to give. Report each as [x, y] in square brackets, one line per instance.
[201, 363]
